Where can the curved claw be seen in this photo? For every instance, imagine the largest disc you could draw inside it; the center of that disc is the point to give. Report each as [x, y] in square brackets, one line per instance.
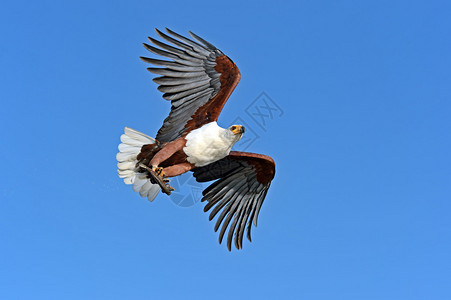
[158, 170]
[157, 176]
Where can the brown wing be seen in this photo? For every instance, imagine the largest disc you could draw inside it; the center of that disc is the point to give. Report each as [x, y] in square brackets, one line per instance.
[243, 181]
[198, 81]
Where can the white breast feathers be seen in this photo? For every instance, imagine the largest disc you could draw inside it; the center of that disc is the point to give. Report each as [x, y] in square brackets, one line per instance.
[208, 144]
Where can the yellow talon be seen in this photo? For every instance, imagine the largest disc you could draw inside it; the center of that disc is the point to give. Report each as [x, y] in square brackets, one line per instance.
[158, 170]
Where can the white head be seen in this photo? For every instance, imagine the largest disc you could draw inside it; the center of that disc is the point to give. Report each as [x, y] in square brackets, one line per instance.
[234, 133]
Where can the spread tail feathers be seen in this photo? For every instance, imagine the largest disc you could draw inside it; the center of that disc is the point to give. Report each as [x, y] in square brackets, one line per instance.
[132, 141]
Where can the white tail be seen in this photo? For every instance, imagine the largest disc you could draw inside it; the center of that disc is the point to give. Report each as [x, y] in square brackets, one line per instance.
[132, 141]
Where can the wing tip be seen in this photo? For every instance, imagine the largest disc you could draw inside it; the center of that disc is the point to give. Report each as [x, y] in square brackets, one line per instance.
[248, 235]
[159, 32]
[204, 42]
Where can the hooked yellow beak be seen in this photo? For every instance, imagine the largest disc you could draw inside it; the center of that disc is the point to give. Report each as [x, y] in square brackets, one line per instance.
[237, 129]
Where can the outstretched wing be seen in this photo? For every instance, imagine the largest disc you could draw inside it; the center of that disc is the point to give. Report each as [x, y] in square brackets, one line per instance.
[198, 81]
[244, 180]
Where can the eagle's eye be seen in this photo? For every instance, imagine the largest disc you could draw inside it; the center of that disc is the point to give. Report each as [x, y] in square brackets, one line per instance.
[233, 128]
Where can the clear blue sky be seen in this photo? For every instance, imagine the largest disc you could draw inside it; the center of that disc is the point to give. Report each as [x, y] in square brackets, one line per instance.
[360, 206]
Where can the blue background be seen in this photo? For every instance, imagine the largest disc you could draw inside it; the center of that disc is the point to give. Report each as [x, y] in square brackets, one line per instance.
[360, 206]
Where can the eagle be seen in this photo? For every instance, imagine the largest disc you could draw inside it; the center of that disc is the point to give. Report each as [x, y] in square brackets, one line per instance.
[198, 79]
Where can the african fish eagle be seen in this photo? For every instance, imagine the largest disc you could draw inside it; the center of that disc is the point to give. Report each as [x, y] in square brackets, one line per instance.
[198, 79]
